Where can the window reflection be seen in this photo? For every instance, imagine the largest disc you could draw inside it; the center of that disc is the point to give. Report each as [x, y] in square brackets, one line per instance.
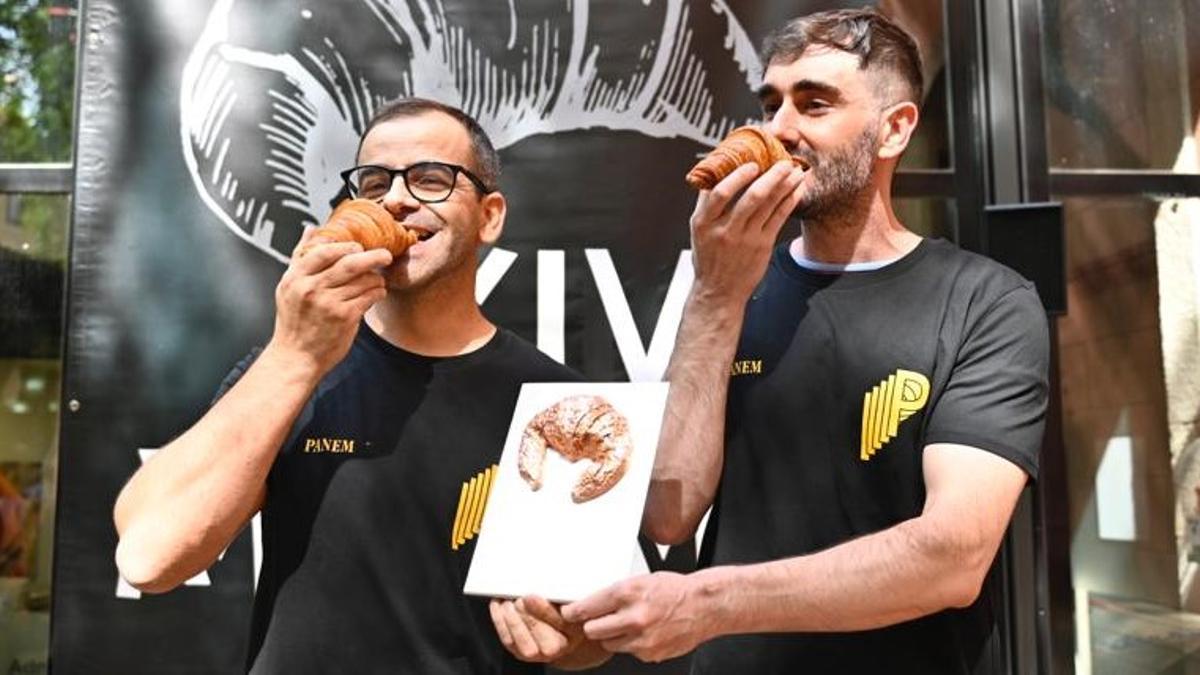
[1129, 351]
[928, 217]
[33, 234]
[1121, 83]
[923, 19]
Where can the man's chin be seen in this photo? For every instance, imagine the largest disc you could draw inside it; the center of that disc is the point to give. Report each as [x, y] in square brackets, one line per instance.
[398, 277]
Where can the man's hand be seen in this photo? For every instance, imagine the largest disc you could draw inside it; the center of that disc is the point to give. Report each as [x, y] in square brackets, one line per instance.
[654, 617]
[533, 630]
[322, 297]
[732, 235]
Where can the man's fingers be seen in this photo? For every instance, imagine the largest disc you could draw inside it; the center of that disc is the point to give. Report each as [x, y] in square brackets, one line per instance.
[354, 265]
[362, 302]
[597, 604]
[523, 644]
[762, 196]
[506, 638]
[551, 643]
[356, 286]
[323, 255]
[712, 203]
[607, 627]
[541, 609]
[783, 210]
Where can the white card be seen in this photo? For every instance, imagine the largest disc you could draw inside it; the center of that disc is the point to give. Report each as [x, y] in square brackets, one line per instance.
[545, 542]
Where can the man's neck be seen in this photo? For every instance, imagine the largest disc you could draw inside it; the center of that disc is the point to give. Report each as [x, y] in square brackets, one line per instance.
[438, 320]
[871, 233]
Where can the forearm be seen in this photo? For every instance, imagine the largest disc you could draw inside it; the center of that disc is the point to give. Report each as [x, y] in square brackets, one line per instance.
[690, 454]
[184, 506]
[896, 575]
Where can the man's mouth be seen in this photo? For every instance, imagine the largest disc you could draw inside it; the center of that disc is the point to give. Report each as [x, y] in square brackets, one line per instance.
[422, 233]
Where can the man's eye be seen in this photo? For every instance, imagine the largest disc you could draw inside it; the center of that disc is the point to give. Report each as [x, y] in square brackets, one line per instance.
[373, 184]
[431, 180]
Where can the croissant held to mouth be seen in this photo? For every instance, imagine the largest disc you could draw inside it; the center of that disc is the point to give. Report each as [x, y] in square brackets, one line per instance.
[365, 222]
[742, 146]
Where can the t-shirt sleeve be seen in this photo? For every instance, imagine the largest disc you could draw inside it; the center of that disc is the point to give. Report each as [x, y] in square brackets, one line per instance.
[995, 398]
[236, 374]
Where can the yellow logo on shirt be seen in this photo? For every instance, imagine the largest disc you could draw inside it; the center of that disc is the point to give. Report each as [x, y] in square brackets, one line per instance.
[887, 405]
[472, 500]
[337, 446]
[746, 367]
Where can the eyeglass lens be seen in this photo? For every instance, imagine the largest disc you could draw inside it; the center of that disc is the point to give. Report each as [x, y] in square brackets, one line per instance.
[427, 181]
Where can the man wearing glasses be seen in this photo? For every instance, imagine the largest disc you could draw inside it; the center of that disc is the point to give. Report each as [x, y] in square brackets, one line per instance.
[383, 395]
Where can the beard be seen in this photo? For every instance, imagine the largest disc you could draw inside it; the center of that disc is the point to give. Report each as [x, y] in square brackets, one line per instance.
[839, 180]
[453, 257]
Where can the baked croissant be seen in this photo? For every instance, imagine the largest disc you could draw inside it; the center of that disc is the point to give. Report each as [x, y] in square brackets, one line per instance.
[741, 146]
[366, 222]
[578, 427]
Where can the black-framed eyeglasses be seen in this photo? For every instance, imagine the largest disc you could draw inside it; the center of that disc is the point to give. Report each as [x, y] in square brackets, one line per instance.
[427, 182]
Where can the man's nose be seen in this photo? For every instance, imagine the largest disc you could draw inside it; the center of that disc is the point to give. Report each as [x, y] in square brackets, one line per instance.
[398, 200]
[785, 125]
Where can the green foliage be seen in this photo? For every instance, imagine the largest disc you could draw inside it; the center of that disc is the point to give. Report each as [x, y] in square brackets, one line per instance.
[37, 75]
[37, 96]
[44, 221]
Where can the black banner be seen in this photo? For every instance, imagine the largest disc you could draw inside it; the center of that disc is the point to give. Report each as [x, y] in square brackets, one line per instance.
[211, 133]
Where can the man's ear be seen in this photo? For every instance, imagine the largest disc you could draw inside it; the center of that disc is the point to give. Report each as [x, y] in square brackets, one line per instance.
[495, 208]
[897, 125]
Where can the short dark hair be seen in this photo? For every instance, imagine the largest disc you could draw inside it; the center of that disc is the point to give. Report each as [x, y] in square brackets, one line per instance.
[487, 160]
[879, 43]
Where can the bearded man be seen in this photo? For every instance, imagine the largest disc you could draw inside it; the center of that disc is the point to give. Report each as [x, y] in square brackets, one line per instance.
[860, 406]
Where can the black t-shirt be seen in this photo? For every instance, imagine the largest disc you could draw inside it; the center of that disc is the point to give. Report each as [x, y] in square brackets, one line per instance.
[372, 508]
[839, 382]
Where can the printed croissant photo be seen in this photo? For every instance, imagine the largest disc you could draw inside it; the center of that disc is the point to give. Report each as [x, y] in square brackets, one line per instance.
[365, 222]
[742, 146]
[578, 427]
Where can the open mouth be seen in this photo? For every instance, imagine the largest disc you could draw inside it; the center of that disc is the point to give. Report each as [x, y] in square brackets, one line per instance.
[422, 233]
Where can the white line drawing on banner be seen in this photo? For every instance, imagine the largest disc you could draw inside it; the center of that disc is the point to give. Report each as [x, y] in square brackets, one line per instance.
[126, 591]
[554, 87]
[317, 116]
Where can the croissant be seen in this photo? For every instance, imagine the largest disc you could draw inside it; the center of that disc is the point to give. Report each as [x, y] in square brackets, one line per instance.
[741, 146]
[366, 222]
[578, 427]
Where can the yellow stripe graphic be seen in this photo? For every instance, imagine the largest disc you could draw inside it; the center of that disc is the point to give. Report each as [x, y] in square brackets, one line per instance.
[468, 497]
[862, 452]
[480, 496]
[877, 423]
[867, 417]
[889, 403]
[893, 416]
[462, 497]
[487, 490]
[881, 421]
[472, 501]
